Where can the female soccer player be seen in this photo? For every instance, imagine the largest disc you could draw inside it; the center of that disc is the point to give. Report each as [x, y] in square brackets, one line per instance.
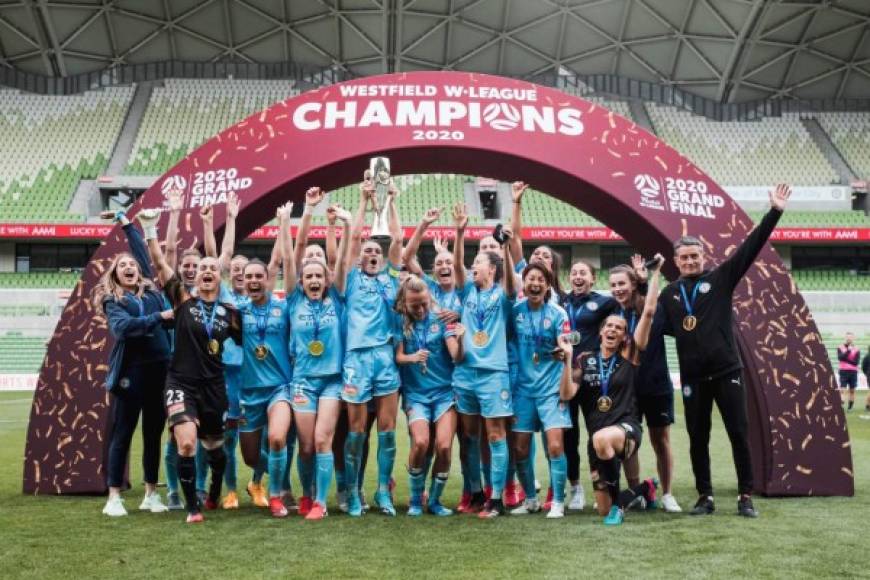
[426, 353]
[606, 381]
[654, 391]
[481, 380]
[137, 371]
[544, 356]
[316, 315]
[370, 370]
[586, 310]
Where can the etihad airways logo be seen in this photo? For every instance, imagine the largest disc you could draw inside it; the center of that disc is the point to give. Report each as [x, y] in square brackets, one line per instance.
[439, 116]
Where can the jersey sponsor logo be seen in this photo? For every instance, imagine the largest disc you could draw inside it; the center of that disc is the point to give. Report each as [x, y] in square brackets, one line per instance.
[704, 287]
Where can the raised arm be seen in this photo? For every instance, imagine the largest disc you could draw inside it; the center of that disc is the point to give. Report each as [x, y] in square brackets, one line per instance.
[331, 243]
[366, 193]
[642, 330]
[453, 340]
[431, 216]
[565, 353]
[206, 214]
[313, 197]
[148, 220]
[286, 244]
[137, 245]
[228, 245]
[460, 221]
[515, 244]
[341, 267]
[176, 204]
[394, 252]
[510, 280]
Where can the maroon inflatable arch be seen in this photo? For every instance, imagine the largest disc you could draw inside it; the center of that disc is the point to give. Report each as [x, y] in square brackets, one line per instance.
[473, 124]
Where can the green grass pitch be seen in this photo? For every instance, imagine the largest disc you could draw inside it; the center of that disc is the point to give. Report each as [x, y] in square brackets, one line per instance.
[68, 537]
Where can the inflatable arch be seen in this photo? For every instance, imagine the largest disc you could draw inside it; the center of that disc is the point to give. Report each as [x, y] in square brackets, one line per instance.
[473, 124]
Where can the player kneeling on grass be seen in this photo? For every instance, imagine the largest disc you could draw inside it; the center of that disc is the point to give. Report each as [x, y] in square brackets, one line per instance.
[606, 382]
[544, 372]
[427, 350]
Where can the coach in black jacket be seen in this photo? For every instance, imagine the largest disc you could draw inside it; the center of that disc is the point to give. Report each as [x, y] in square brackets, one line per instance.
[698, 308]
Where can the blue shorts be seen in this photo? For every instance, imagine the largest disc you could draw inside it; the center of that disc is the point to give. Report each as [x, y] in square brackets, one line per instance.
[513, 375]
[534, 413]
[308, 391]
[233, 378]
[482, 392]
[430, 407]
[369, 372]
[255, 403]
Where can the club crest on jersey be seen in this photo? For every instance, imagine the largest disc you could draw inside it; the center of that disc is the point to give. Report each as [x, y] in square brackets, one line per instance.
[591, 361]
[276, 312]
[687, 391]
[547, 323]
[220, 310]
[593, 306]
[704, 287]
[434, 328]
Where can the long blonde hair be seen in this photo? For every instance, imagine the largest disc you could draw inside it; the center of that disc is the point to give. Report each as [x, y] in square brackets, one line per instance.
[110, 286]
[412, 283]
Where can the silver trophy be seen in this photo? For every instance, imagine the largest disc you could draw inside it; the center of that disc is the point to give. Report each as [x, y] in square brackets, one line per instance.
[379, 173]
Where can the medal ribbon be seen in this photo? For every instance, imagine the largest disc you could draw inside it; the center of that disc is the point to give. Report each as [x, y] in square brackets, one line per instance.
[316, 314]
[482, 315]
[605, 373]
[573, 314]
[207, 321]
[632, 322]
[382, 292]
[262, 315]
[689, 304]
[537, 334]
[423, 342]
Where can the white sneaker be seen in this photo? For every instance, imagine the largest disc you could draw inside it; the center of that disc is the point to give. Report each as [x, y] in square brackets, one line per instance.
[341, 498]
[530, 506]
[578, 499]
[152, 503]
[557, 510]
[115, 507]
[537, 486]
[670, 505]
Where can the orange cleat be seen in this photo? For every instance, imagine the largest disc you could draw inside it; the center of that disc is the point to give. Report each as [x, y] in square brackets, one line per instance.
[317, 512]
[231, 501]
[258, 494]
[305, 505]
[277, 507]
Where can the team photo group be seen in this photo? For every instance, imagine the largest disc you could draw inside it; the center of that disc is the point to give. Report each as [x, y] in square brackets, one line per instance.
[305, 359]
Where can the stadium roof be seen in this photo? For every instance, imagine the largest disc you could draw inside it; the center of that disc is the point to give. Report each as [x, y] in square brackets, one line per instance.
[727, 50]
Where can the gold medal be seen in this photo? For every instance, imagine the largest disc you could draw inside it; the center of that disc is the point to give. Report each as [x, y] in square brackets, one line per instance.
[214, 346]
[536, 358]
[316, 348]
[605, 403]
[689, 323]
[480, 338]
[261, 351]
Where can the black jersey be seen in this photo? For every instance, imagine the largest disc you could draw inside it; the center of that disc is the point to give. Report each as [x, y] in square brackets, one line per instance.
[620, 391]
[193, 359]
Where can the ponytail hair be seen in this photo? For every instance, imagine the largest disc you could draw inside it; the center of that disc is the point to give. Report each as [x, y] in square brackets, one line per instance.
[412, 283]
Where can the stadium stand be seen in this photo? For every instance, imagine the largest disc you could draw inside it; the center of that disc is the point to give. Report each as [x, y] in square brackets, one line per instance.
[21, 354]
[50, 144]
[772, 150]
[819, 219]
[183, 113]
[38, 279]
[838, 280]
[850, 133]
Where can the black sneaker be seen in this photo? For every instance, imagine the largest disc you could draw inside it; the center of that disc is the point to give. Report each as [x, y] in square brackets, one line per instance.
[745, 507]
[704, 506]
[493, 509]
[478, 502]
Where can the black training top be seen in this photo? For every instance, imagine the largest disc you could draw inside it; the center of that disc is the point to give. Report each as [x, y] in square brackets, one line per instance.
[585, 312]
[620, 390]
[709, 351]
[192, 362]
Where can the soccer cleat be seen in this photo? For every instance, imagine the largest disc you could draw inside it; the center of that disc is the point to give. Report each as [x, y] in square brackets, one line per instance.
[201, 496]
[318, 512]
[305, 505]
[704, 506]
[745, 507]
[437, 509]
[151, 503]
[210, 504]
[290, 500]
[258, 494]
[415, 509]
[578, 499]
[614, 518]
[277, 507]
[341, 500]
[670, 505]
[638, 504]
[195, 518]
[173, 501]
[115, 507]
[557, 510]
[549, 501]
[511, 495]
[652, 502]
[530, 506]
[231, 501]
[487, 492]
[384, 501]
[362, 501]
[464, 503]
[354, 506]
[494, 508]
[478, 502]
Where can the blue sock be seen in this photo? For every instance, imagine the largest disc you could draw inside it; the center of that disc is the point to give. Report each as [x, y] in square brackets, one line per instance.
[473, 462]
[352, 457]
[340, 480]
[386, 458]
[305, 467]
[498, 451]
[324, 463]
[558, 476]
[201, 467]
[170, 463]
[527, 477]
[231, 441]
[416, 485]
[439, 481]
[277, 466]
[285, 477]
[263, 464]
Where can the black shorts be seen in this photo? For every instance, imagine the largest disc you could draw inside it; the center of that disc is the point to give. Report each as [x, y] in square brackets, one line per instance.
[849, 380]
[633, 437]
[203, 403]
[658, 409]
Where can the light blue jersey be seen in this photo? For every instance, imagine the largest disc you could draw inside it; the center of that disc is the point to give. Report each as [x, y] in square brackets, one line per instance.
[321, 321]
[266, 325]
[369, 300]
[428, 334]
[484, 316]
[232, 355]
[445, 300]
[537, 333]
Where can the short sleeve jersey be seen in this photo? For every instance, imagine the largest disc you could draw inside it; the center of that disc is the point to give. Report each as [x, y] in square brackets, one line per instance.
[232, 352]
[484, 315]
[537, 333]
[369, 300]
[266, 325]
[620, 390]
[427, 334]
[320, 320]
